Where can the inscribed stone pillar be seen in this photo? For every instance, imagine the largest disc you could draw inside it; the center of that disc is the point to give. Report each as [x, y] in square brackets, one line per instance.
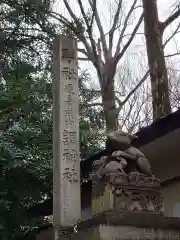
[66, 160]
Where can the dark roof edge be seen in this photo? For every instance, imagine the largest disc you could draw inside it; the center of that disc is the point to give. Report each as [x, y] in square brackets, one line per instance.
[158, 129]
[170, 181]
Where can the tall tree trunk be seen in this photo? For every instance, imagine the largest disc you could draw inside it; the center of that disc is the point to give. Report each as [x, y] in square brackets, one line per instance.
[156, 60]
[108, 96]
[109, 106]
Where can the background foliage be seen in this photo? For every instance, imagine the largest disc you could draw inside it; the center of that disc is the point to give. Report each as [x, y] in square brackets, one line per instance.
[26, 114]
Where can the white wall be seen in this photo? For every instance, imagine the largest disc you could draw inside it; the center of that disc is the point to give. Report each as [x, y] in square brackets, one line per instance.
[171, 195]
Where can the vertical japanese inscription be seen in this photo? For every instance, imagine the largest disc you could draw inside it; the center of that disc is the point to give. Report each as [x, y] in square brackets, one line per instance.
[66, 175]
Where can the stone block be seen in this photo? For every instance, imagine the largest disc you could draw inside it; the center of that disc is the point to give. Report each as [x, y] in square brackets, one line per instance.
[104, 232]
[128, 198]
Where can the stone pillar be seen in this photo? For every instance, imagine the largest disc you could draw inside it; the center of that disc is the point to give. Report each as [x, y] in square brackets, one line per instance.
[66, 159]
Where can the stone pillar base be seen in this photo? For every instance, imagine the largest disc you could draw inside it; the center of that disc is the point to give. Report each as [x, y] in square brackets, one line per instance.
[120, 226]
[104, 232]
[123, 226]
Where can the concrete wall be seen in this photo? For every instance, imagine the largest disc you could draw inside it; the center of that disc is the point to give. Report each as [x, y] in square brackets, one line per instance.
[86, 213]
[171, 195]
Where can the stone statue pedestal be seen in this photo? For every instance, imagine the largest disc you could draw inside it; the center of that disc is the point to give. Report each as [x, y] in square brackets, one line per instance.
[128, 199]
[135, 193]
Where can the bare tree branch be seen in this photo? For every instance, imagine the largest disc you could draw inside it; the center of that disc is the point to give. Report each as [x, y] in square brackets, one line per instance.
[60, 18]
[169, 39]
[136, 87]
[129, 34]
[119, 102]
[93, 12]
[128, 114]
[89, 30]
[84, 14]
[117, 26]
[99, 49]
[42, 26]
[83, 51]
[74, 17]
[135, 118]
[170, 19]
[83, 59]
[124, 27]
[101, 31]
[113, 28]
[173, 54]
[91, 105]
[79, 35]
[119, 56]
[89, 50]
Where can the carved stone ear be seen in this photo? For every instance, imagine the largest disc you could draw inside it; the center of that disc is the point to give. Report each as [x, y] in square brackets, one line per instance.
[96, 162]
[133, 137]
[117, 153]
[111, 134]
[103, 158]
